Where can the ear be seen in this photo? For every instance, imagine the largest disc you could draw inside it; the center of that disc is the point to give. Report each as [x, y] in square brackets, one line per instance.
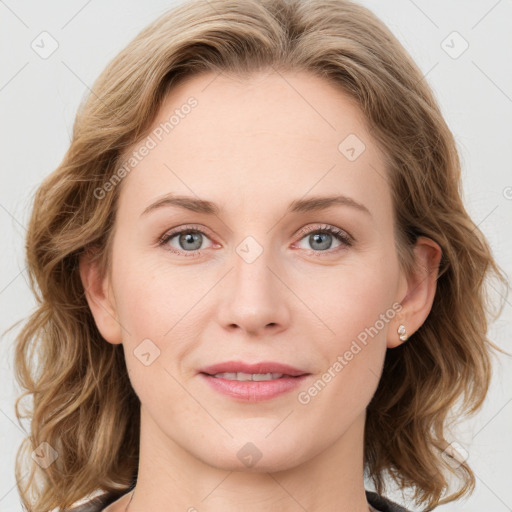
[100, 298]
[421, 290]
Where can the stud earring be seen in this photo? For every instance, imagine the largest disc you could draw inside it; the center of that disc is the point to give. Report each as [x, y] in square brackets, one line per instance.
[402, 333]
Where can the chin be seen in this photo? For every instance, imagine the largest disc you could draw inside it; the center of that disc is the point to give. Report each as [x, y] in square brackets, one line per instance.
[256, 456]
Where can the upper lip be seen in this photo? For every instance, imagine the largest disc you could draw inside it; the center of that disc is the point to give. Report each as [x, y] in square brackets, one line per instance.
[262, 367]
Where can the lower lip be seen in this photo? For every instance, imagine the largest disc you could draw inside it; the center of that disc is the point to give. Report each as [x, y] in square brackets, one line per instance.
[254, 391]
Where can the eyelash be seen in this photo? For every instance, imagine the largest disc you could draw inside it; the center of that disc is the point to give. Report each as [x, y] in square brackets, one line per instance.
[340, 235]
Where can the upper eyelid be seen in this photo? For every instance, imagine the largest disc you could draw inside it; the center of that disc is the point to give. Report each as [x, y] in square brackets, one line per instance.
[180, 229]
[323, 227]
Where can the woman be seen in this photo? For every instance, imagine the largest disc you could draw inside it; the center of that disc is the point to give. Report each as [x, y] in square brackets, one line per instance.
[258, 283]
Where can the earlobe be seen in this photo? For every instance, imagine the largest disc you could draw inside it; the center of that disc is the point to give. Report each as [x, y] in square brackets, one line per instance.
[99, 296]
[421, 290]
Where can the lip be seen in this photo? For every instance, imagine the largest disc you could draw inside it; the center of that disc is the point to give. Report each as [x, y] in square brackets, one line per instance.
[253, 391]
[262, 367]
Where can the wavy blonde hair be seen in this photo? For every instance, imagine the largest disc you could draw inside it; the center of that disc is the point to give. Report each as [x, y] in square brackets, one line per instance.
[83, 402]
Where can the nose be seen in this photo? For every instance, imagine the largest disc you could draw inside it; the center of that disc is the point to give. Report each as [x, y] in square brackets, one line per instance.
[255, 298]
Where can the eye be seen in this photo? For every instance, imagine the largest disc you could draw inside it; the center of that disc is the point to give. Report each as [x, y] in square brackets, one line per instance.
[189, 239]
[321, 239]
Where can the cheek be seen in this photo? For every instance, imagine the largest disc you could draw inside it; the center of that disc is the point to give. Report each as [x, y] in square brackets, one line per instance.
[150, 300]
[357, 311]
[149, 309]
[351, 298]
[158, 310]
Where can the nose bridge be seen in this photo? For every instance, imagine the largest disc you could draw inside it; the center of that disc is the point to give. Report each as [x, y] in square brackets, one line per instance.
[251, 272]
[252, 276]
[254, 298]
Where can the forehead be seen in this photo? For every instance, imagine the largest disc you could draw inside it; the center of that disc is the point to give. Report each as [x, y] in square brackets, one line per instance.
[262, 138]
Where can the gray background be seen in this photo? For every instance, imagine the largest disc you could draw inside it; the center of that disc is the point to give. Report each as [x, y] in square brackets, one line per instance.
[39, 98]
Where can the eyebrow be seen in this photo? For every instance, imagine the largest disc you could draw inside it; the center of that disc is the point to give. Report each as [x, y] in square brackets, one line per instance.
[298, 206]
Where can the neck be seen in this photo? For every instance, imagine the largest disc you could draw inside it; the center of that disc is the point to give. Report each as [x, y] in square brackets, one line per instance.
[331, 479]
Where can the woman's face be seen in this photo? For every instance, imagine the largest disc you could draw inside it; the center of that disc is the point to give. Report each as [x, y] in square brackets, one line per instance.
[253, 277]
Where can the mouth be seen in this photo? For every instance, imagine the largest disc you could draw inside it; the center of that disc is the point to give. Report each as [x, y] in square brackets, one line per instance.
[239, 370]
[255, 377]
[253, 382]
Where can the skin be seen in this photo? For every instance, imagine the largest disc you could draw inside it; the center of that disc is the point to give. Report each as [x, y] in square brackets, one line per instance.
[252, 146]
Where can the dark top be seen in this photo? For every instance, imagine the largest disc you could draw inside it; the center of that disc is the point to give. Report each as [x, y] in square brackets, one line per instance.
[98, 503]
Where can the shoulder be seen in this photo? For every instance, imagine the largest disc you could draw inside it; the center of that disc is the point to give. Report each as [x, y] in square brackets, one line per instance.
[96, 504]
[383, 504]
